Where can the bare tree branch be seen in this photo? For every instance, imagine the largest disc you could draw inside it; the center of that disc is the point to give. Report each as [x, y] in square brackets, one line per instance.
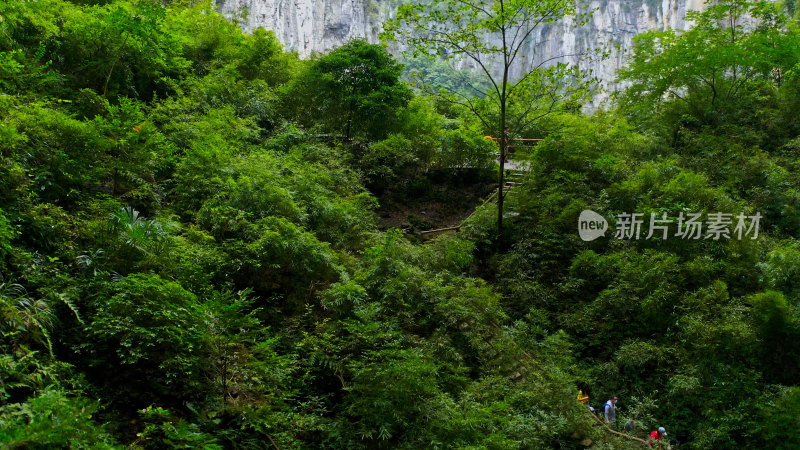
[538, 66]
[474, 56]
[475, 7]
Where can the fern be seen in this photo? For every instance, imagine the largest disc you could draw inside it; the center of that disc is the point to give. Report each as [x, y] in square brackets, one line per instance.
[64, 299]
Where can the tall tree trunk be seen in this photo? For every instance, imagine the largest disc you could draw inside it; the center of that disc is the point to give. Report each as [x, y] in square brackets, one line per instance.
[501, 177]
[503, 143]
[351, 111]
[114, 177]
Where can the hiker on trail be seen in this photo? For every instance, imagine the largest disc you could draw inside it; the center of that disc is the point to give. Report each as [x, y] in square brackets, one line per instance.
[655, 436]
[630, 426]
[610, 411]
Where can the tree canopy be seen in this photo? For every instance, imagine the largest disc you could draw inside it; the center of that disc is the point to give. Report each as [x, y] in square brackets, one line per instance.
[200, 244]
[495, 37]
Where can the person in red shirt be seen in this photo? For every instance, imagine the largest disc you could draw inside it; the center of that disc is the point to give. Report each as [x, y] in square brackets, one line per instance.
[656, 436]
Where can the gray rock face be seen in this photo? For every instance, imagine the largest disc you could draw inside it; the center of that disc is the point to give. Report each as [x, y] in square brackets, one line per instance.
[309, 26]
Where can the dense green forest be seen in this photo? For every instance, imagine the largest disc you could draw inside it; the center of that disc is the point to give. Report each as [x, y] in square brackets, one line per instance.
[191, 256]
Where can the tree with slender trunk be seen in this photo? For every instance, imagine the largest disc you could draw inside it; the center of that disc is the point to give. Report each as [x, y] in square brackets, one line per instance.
[495, 36]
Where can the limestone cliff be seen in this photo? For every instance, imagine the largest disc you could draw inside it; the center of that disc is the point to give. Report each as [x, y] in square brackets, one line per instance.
[308, 26]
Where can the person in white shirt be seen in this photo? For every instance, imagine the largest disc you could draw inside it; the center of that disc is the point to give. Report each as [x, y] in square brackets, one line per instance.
[610, 411]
